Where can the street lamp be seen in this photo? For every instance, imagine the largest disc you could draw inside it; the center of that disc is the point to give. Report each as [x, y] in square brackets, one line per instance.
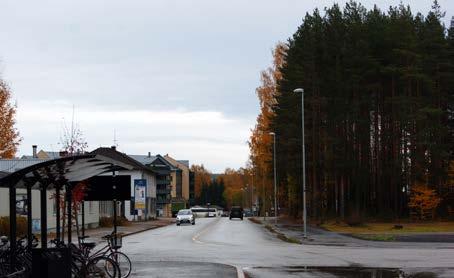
[297, 91]
[274, 162]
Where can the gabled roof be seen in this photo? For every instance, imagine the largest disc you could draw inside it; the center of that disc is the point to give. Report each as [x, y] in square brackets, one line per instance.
[53, 155]
[48, 154]
[153, 160]
[184, 162]
[12, 165]
[113, 153]
[144, 159]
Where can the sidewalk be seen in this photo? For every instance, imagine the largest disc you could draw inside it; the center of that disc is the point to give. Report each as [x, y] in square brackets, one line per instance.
[318, 236]
[96, 234]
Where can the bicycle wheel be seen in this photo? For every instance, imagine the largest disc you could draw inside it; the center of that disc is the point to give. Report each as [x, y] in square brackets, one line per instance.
[102, 267]
[124, 263]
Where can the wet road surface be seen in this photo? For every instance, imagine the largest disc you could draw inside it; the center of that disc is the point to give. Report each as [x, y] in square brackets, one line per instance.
[250, 248]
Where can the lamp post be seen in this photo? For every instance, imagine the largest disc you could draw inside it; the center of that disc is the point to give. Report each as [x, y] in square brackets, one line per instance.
[300, 90]
[275, 187]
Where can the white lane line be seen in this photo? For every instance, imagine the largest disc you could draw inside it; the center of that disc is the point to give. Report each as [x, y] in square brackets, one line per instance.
[239, 272]
[196, 237]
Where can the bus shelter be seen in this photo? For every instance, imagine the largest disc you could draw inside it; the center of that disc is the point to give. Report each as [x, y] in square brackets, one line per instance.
[59, 175]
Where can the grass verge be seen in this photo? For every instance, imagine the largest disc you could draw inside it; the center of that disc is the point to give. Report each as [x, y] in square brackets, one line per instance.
[377, 237]
[282, 236]
[255, 220]
[381, 228]
[278, 234]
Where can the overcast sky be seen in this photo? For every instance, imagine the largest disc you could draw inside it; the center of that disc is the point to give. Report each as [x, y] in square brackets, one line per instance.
[174, 77]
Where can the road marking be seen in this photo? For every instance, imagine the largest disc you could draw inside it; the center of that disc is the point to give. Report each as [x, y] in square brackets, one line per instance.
[239, 272]
[196, 237]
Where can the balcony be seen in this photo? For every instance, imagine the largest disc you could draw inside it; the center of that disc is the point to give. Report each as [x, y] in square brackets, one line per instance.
[163, 191]
[161, 201]
[162, 182]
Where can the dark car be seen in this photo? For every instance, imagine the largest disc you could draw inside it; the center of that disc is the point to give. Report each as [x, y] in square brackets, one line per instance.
[236, 212]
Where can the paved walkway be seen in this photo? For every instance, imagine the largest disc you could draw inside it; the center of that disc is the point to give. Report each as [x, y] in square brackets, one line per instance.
[134, 227]
[318, 236]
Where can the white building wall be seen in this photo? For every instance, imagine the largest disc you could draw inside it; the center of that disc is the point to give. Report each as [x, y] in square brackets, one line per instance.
[91, 208]
[4, 202]
[106, 207]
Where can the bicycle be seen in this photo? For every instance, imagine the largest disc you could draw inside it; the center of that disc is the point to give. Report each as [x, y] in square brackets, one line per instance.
[23, 258]
[114, 242]
[85, 265]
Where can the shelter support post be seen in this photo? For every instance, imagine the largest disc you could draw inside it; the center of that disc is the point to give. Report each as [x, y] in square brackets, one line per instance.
[57, 212]
[69, 205]
[83, 218]
[12, 222]
[114, 203]
[43, 199]
[29, 217]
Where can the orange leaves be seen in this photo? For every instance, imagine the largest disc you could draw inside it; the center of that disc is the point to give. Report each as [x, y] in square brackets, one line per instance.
[201, 176]
[9, 136]
[235, 181]
[78, 192]
[260, 143]
[423, 201]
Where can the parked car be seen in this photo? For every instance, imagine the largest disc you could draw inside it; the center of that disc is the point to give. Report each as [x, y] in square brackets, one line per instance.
[236, 212]
[225, 213]
[185, 216]
[247, 213]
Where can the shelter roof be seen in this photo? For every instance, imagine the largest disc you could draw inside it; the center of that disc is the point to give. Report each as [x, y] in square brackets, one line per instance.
[127, 159]
[62, 170]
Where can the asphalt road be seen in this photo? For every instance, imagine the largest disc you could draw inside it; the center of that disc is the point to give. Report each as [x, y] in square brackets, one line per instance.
[217, 247]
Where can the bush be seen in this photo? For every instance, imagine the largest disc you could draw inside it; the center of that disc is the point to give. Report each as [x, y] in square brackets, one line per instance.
[21, 225]
[108, 221]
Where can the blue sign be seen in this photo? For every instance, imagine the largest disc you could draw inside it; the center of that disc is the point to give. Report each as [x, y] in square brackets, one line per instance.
[36, 225]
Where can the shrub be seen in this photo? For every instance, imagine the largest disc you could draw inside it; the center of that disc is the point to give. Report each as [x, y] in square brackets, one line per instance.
[423, 202]
[108, 221]
[21, 225]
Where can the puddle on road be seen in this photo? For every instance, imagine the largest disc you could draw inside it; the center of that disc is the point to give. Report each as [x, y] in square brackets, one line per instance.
[346, 272]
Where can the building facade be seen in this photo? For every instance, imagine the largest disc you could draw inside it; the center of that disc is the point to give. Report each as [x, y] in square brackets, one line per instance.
[162, 170]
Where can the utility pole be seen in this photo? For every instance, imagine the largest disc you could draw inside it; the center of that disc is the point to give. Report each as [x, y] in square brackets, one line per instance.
[275, 187]
[299, 90]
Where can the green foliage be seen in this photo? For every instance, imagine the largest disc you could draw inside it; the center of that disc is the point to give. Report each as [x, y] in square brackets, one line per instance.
[212, 193]
[178, 206]
[379, 109]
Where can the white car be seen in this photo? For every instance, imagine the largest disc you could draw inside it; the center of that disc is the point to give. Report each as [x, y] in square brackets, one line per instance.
[185, 216]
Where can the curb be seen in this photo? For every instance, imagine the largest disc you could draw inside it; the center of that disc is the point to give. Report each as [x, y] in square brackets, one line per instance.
[144, 230]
